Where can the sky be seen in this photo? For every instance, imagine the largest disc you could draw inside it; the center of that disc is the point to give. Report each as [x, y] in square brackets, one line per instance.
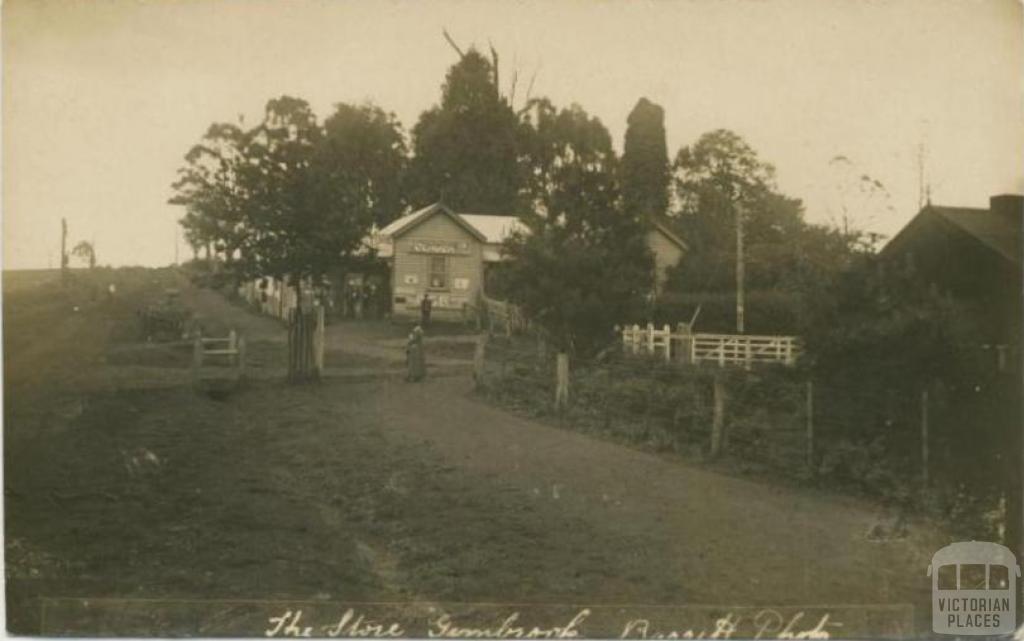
[102, 99]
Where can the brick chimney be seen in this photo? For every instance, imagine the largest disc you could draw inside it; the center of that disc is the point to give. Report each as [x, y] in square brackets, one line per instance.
[1007, 205]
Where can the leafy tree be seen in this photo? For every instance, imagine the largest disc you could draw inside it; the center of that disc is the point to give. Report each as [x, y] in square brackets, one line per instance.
[717, 179]
[289, 198]
[301, 221]
[466, 150]
[364, 156]
[85, 251]
[568, 159]
[585, 264]
[209, 189]
[645, 167]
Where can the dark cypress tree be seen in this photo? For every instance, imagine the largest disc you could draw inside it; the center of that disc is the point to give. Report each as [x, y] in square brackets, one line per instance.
[644, 171]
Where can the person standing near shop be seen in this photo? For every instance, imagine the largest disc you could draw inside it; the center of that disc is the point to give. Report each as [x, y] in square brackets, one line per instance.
[370, 301]
[426, 305]
[415, 358]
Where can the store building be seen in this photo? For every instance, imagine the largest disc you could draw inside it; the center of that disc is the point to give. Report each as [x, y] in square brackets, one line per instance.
[445, 255]
[439, 253]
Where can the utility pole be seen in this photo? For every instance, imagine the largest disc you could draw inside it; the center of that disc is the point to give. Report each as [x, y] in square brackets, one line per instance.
[63, 249]
[740, 266]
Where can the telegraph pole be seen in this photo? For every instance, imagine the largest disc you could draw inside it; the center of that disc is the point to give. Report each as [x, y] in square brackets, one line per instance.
[740, 267]
[63, 249]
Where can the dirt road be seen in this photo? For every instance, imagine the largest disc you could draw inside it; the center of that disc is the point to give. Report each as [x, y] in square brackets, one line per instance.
[366, 488]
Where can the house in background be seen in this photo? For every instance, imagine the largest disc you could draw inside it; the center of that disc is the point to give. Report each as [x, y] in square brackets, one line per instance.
[972, 255]
[668, 248]
[437, 252]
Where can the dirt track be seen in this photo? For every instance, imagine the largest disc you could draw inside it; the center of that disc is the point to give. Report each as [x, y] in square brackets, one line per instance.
[365, 487]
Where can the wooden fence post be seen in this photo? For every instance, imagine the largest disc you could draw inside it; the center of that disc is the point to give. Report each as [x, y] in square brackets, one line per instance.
[562, 381]
[291, 345]
[318, 343]
[301, 355]
[650, 338]
[809, 418]
[240, 356]
[479, 359]
[667, 330]
[924, 436]
[197, 358]
[685, 343]
[718, 419]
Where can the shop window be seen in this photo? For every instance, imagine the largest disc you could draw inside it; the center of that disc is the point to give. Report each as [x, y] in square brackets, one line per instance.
[438, 277]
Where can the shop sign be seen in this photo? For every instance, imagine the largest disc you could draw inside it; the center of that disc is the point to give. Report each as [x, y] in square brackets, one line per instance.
[439, 247]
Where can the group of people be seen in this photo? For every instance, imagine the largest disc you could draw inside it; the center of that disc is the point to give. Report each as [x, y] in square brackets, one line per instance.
[363, 301]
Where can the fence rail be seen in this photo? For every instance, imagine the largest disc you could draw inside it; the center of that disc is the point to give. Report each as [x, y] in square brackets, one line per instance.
[503, 314]
[723, 349]
[228, 351]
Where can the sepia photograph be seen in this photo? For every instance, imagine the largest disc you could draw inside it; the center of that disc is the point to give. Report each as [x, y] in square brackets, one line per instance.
[577, 319]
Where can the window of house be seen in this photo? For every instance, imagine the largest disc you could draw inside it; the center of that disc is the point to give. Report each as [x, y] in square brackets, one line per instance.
[438, 276]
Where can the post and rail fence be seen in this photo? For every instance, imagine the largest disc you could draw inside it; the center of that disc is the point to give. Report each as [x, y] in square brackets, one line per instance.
[722, 349]
[506, 316]
[231, 348]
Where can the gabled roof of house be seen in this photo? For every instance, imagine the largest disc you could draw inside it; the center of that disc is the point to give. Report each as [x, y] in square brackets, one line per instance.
[488, 228]
[406, 223]
[661, 225]
[999, 233]
[492, 228]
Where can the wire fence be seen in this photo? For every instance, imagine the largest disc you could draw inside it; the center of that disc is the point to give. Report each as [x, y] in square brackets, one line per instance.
[892, 441]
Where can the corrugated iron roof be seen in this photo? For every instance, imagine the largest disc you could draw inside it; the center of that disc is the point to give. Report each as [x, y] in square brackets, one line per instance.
[488, 227]
[493, 227]
[403, 222]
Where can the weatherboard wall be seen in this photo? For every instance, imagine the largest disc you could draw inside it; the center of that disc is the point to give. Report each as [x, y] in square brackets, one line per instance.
[666, 254]
[411, 264]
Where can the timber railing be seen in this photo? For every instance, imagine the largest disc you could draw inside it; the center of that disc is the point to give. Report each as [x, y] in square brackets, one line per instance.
[229, 351]
[722, 349]
[507, 316]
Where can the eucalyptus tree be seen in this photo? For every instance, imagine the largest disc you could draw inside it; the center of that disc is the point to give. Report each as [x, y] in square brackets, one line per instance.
[466, 149]
[584, 265]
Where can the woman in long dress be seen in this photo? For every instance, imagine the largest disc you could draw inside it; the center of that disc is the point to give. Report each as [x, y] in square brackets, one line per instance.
[415, 358]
